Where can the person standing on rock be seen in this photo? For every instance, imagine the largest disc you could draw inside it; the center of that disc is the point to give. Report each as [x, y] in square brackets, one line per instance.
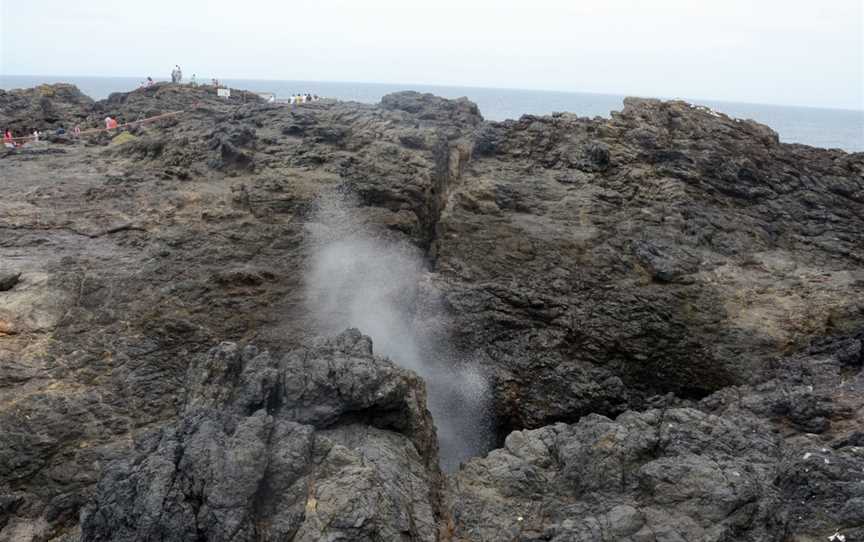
[179, 75]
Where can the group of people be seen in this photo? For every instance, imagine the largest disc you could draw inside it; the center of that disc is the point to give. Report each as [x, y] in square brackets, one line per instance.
[176, 77]
[9, 140]
[303, 98]
[12, 142]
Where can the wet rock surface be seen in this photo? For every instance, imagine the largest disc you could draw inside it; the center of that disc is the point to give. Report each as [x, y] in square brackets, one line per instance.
[609, 275]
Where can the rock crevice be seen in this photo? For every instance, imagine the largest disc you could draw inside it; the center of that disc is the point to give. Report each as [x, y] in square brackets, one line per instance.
[667, 265]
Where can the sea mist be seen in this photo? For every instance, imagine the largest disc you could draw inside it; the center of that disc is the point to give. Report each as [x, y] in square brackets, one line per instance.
[365, 277]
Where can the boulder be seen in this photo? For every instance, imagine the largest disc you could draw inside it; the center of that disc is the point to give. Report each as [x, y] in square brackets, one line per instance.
[330, 442]
[730, 468]
[46, 107]
[9, 280]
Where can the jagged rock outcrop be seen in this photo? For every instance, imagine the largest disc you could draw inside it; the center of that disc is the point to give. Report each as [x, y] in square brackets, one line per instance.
[166, 97]
[327, 443]
[599, 263]
[44, 107]
[650, 263]
[740, 465]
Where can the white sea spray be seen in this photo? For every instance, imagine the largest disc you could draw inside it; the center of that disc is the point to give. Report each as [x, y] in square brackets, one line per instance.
[361, 277]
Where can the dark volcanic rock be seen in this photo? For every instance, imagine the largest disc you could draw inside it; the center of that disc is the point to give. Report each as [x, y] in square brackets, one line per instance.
[45, 107]
[429, 107]
[9, 280]
[657, 263]
[328, 443]
[672, 249]
[164, 98]
[729, 469]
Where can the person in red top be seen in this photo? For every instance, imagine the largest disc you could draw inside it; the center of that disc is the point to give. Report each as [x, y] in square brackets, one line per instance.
[8, 140]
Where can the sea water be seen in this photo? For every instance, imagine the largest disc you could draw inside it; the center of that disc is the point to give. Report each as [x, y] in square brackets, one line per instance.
[828, 128]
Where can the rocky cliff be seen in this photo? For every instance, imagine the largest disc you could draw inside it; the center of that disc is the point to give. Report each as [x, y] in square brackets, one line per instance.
[667, 307]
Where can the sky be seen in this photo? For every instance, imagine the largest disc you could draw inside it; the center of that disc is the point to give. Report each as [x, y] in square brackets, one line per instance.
[788, 52]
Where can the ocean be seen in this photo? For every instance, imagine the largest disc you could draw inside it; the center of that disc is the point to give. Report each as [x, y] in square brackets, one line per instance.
[828, 128]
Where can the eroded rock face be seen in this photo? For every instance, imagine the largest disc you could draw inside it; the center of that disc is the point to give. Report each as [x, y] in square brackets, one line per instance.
[42, 108]
[135, 258]
[329, 442]
[593, 267]
[598, 263]
[739, 465]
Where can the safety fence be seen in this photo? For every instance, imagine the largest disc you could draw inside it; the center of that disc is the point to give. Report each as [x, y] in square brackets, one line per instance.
[98, 130]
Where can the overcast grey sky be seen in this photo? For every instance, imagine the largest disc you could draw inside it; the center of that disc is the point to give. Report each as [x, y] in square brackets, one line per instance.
[795, 52]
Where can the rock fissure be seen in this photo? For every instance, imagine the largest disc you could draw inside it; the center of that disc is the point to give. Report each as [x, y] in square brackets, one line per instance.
[605, 277]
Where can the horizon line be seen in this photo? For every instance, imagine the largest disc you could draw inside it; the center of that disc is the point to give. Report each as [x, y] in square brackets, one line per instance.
[444, 85]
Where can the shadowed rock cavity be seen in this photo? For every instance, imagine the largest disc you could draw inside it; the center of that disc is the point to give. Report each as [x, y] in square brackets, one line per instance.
[777, 461]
